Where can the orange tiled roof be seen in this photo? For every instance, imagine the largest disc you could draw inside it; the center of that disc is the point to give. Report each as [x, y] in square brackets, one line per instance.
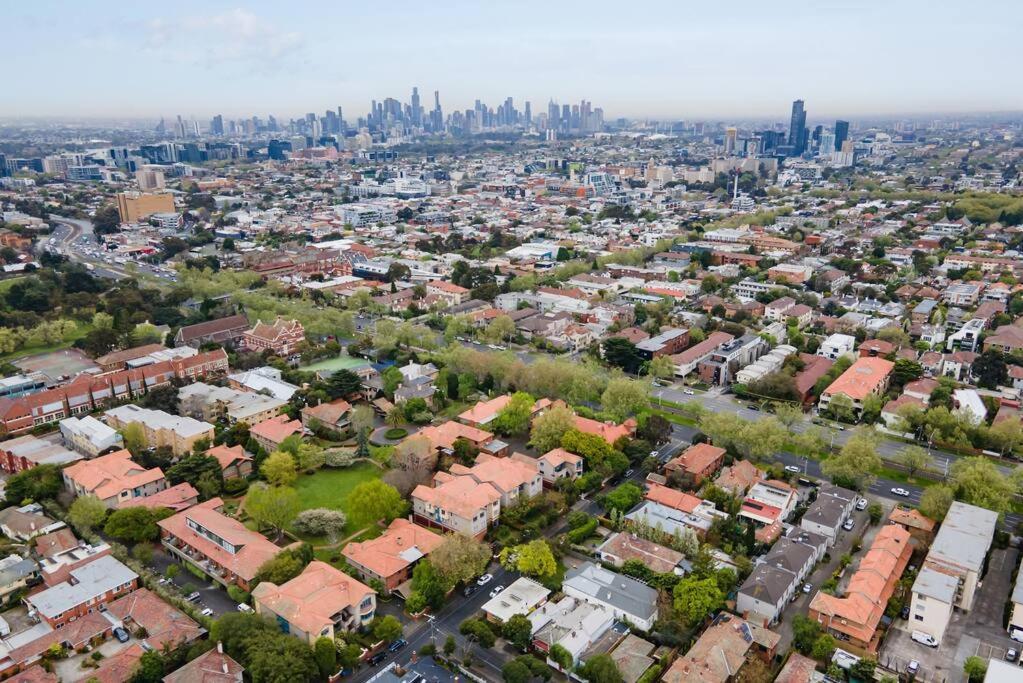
[310, 600]
[862, 378]
[676, 500]
[276, 429]
[109, 474]
[389, 553]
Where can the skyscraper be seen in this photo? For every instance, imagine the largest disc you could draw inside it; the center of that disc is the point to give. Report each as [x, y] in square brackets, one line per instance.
[417, 115]
[731, 134]
[217, 125]
[841, 134]
[797, 128]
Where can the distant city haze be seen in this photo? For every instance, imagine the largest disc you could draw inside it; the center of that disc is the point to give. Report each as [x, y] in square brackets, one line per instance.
[739, 60]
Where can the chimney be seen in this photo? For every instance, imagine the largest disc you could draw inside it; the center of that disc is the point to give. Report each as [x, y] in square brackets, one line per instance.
[223, 666]
[220, 647]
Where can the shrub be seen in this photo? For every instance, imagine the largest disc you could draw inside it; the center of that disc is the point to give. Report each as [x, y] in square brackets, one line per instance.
[396, 433]
[235, 486]
[580, 534]
[339, 458]
[195, 571]
[237, 594]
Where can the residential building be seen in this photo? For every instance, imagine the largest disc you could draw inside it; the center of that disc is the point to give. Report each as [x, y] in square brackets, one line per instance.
[160, 428]
[522, 597]
[89, 436]
[59, 552]
[623, 546]
[26, 522]
[269, 434]
[687, 361]
[855, 615]
[723, 364]
[26, 452]
[113, 478]
[698, 462]
[1016, 616]
[764, 594]
[321, 602]
[220, 331]
[16, 573]
[215, 544]
[164, 625]
[559, 464]
[177, 498]
[722, 650]
[263, 380]
[213, 403]
[391, 557]
[623, 596]
[573, 623]
[450, 293]
[961, 547]
[89, 587]
[484, 413]
[933, 602]
[335, 415]
[282, 338]
[608, 431]
[866, 378]
[738, 477]
[667, 343]
[235, 463]
[212, 666]
[768, 502]
[828, 512]
[967, 337]
[443, 436]
[837, 345]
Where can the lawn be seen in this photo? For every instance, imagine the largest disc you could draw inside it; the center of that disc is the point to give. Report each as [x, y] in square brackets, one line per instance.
[329, 488]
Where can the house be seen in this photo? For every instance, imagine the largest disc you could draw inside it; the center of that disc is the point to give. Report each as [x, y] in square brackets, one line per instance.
[866, 378]
[212, 666]
[16, 573]
[828, 512]
[1007, 339]
[460, 504]
[722, 650]
[235, 463]
[391, 557]
[688, 360]
[559, 464]
[118, 667]
[799, 669]
[738, 477]
[961, 547]
[221, 331]
[265, 380]
[164, 625]
[522, 597]
[623, 596]
[89, 436]
[919, 527]
[335, 415]
[485, 412]
[59, 552]
[698, 462]
[160, 428]
[35, 643]
[814, 367]
[283, 338]
[722, 365]
[836, 345]
[26, 522]
[623, 546]
[573, 623]
[113, 478]
[89, 586]
[443, 436]
[217, 545]
[175, 498]
[608, 431]
[764, 594]
[449, 293]
[320, 602]
[668, 343]
[28, 451]
[855, 616]
[269, 434]
[933, 602]
[768, 502]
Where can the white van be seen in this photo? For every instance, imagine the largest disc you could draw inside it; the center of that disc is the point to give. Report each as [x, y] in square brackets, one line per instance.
[925, 639]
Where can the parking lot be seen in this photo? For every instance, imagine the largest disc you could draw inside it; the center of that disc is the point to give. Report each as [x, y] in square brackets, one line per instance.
[212, 595]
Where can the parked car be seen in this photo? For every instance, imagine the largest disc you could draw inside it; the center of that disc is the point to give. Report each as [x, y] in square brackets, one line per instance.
[497, 589]
[807, 588]
[924, 638]
[898, 491]
[377, 658]
[207, 612]
[484, 580]
[905, 613]
[193, 597]
[689, 392]
[470, 589]
[629, 473]
[914, 666]
[753, 406]
[1016, 634]
[849, 524]
[242, 607]
[861, 504]
[121, 635]
[397, 645]
[1011, 655]
[791, 468]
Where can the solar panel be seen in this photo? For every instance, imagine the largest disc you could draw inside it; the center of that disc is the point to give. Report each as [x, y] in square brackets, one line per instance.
[747, 635]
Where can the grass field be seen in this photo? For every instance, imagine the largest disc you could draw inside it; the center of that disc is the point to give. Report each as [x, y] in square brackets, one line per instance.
[329, 488]
[82, 330]
[335, 364]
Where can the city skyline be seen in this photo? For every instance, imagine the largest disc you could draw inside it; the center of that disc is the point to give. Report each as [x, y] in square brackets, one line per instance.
[202, 59]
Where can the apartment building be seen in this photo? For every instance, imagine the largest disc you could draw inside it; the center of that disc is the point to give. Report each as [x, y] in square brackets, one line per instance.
[161, 429]
[867, 377]
[211, 403]
[687, 361]
[132, 207]
[721, 366]
[220, 331]
[89, 436]
[697, 462]
[391, 557]
[448, 292]
[26, 452]
[959, 551]
[769, 502]
[667, 343]
[622, 596]
[282, 338]
[837, 345]
[558, 464]
[89, 587]
[113, 478]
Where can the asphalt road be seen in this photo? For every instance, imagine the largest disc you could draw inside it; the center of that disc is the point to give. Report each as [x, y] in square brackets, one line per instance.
[74, 238]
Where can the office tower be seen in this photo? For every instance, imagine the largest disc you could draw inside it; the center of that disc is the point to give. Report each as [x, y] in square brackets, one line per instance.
[340, 121]
[827, 146]
[179, 128]
[553, 115]
[417, 117]
[816, 137]
[731, 133]
[797, 128]
[566, 116]
[161, 127]
[331, 125]
[217, 125]
[195, 128]
[841, 134]
[529, 115]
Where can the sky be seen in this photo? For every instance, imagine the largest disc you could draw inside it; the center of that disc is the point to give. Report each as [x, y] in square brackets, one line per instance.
[681, 59]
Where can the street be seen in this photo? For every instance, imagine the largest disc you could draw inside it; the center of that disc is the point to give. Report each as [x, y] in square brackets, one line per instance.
[74, 239]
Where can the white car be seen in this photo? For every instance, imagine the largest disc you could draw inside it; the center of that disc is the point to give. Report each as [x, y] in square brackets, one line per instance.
[791, 468]
[689, 392]
[861, 504]
[924, 638]
[242, 607]
[900, 492]
[497, 589]
[484, 580]
[207, 612]
[913, 667]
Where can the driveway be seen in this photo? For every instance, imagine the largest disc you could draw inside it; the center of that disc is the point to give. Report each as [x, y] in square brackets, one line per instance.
[213, 595]
[70, 670]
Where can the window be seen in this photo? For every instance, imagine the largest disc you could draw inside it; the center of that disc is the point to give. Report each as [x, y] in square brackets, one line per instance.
[918, 617]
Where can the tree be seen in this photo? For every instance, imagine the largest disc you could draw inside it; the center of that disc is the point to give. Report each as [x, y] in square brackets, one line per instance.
[856, 463]
[654, 429]
[990, 369]
[392, 379]
[480, 630]
[601, 669]
[914, 459]
[106, 220]
[460, 559]
[549, 428]
[135, 524]
[278, 658]
[273, 506]
[362, 418]
[348, 654]
[325, 655]
[532, 559]
[623, 498]
[35, 484]
[282, 568]
[624, 398]
[518, 631]
[875, 512]
[622, 353]
[429, 583]
[842, 408]
[150, 668]
[86, 513]
[936, 500]
[804, 633]
[696, 599]
[374, 501]
[561, 656]
[975, 668]
[193, 468]
[661, 367]
[386, 628]
[279, 469]
[134, 436]
[1006, 436]
[320, 522]
[516, 672]
[449, 645]
[788, 414]
[863, 670]
[500, 328]
[514, 417]
[979, 482]
[823, 647]
[343, 383]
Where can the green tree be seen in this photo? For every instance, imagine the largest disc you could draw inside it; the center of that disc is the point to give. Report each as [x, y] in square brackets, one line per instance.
[914, 459]
[150, 668]
[875, 512]
[788, 414]
[624, 398]
[272, 506]
[601, 669]
[135, 524]
[134, 437]
[549, 428]
[622, 353]
[386, 628]
[518, 630]
[696, 599]
[823, 648]
[343, 383]
[623, 498]
[281, 568]
[532, 559]
[429, 583]
[479, 630]
[975, 668]
[562, 657]
[979, 482]
[661, 367]
[460, 559]
[279, 469]
[325, 655]
[449, 645]
[857, 462]
[192, 468]
[804, 633]
[515, 671]
[990, 369]
[513, 418]
[86, 513]
[936, 500]
[374, 501]
[278, 658]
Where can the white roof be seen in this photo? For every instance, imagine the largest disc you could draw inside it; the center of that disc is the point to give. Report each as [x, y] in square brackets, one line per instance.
[91, 581]
[519, 598]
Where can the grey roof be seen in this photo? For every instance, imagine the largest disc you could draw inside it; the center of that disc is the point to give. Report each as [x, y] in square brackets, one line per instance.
[934, 584]
[829, 489]
[965, 536]
[790, 555]
[91, 581]
[825, 511]
[14, 569]
[768, 583]
[621, 592]
[1017, 591]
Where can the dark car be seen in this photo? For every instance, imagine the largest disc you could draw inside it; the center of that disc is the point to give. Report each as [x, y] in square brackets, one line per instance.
[121, 635]
[905, 612]
[470, 589]
[397, 645]
[377, 658]
[753, 406]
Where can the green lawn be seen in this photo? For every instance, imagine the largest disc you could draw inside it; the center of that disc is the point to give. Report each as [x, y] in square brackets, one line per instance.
[82, 330]
[335, 364]
[329, 488]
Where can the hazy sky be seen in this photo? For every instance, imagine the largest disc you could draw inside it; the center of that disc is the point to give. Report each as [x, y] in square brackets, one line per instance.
[680, 58]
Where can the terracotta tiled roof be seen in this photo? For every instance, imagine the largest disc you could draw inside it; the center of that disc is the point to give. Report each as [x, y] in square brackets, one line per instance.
[399, 546]
[310, 600]
[108, 475]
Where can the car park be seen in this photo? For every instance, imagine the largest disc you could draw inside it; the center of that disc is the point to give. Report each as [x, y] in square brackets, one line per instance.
[913, 668]
[924, 638]
[484, 580]
[900, 492]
